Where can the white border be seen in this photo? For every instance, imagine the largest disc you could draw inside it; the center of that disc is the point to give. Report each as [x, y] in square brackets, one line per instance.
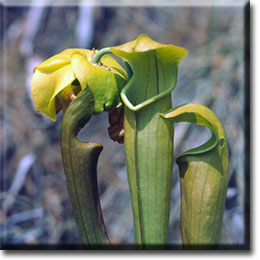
[137, 3]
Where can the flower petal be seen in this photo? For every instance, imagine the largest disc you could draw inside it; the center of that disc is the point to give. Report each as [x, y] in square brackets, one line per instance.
[80, 68]
[61, 59]
[46, 85]
[53, 63]
[86, 53]
[115, 67]
[103, 83]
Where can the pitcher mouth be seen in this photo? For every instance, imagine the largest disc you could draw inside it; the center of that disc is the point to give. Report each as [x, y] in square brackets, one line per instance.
[129, 90]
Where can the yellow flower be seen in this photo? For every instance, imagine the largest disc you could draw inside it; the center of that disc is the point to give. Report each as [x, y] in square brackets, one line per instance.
[71, 67]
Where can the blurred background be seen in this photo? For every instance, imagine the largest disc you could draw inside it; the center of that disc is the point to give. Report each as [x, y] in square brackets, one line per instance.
[35, 207]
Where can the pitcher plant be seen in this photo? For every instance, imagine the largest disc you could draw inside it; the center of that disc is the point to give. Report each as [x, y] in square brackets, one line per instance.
[138, 97]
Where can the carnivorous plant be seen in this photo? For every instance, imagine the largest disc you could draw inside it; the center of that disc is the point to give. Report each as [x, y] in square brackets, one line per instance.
[84, 83]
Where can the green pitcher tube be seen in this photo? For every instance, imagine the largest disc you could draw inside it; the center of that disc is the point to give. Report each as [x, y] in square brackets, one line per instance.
[149, 153]
[80, 166]
[204, 175]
